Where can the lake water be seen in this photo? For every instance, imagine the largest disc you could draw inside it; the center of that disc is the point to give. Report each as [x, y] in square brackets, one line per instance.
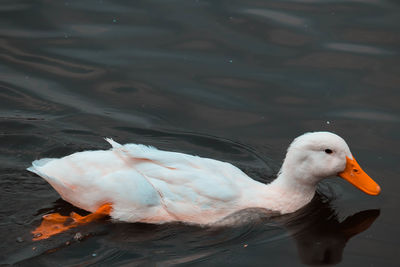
[230, 80]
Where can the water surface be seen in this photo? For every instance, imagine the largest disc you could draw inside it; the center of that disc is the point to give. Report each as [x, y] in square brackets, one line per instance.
[230, 80]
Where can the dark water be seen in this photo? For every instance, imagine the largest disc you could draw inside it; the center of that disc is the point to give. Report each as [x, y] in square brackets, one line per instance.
[230, 80]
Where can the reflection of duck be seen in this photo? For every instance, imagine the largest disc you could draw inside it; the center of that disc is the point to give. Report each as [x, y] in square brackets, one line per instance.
[135, 183]
[320, 236]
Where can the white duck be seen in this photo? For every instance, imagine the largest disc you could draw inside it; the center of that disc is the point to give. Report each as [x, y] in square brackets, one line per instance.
[137, 183]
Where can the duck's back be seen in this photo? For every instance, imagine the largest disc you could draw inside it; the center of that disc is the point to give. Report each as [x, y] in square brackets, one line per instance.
[145, 184]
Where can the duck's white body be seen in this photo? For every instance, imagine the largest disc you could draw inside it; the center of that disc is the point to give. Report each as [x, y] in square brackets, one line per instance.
[144, 184]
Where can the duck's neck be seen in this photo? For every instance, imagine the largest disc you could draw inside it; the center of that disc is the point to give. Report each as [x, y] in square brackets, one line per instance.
[284, 194]
[295, 188]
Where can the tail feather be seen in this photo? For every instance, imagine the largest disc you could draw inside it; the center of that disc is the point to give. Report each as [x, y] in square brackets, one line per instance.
[112, 142]
[38, 168]
[37, 164]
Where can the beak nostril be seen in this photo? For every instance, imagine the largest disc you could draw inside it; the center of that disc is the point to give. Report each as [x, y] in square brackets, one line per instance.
[355, 170]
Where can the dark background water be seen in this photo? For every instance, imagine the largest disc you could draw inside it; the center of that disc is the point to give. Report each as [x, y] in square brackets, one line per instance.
[230, 80]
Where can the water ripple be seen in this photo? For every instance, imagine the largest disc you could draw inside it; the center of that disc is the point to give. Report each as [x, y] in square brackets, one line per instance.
[282, 18]
[358, 48]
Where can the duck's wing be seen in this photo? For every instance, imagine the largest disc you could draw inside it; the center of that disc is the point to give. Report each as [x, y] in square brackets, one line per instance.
[190, 185]
[181, 161]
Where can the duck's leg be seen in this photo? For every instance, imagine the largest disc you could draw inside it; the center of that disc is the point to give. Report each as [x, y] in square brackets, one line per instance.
[55, 223]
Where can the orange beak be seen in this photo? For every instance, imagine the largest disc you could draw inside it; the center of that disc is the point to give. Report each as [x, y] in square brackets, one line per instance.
[357, 177]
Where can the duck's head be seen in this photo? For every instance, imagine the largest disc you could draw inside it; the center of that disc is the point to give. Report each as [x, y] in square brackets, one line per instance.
[314, 156]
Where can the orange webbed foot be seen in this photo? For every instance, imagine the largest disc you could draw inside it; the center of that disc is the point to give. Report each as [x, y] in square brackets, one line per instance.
[55, 223]
[52, 224]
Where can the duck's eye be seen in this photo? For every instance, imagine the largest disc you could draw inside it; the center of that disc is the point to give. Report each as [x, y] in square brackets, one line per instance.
[328, 151]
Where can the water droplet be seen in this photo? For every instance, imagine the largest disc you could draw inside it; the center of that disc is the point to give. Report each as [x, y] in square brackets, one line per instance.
[78, 237]
[114, 20]
[94, 254]
[20, 239]
[230, 60]
[37, 235]
[328, 122]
